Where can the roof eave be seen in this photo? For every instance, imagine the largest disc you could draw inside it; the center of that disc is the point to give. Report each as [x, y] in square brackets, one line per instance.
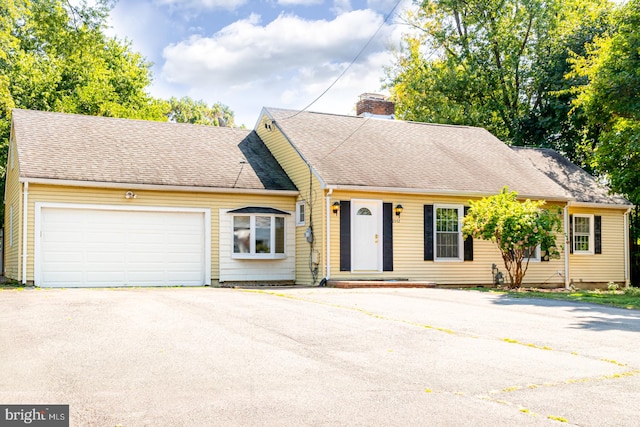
[440, 192]
[157, 187]
[602, 205]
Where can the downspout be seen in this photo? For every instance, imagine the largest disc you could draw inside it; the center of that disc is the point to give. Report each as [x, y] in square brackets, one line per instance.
[627, 275]
[327, 262]
[566, 245]
[25, 200]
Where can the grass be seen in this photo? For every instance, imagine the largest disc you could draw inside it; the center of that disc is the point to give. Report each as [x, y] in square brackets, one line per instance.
[627, 298]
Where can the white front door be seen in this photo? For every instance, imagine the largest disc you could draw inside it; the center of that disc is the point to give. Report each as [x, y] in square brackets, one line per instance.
[366, 236]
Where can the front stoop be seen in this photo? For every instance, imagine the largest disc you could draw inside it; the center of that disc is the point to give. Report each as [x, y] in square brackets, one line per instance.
[350, 284]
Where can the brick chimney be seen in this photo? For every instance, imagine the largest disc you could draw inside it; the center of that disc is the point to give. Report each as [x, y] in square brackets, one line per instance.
[376, 105]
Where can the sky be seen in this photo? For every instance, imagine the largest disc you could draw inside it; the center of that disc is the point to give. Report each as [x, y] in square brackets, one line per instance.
[249, 54]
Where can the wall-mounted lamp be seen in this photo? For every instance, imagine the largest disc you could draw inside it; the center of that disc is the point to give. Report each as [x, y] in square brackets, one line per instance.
[130, 195]
[335, 208]
[398, 210]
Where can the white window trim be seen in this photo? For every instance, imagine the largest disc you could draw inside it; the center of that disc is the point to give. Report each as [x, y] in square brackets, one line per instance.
[301, 213]
[536, 255]
[591, 234]
[460, 209]
[252, 226]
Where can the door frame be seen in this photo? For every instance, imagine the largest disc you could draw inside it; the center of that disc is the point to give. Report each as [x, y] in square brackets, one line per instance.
[379, 220]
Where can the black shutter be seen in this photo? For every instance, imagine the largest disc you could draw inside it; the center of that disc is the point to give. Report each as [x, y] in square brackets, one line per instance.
[387, 237]
[345, 235]
[597, 234]
[428, 232]
[570, 234]
[468, 242]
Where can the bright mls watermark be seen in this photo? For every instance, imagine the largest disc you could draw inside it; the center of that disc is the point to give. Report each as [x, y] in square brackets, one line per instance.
[34, 415]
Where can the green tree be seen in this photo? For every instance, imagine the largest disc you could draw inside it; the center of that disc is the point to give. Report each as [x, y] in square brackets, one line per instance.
[55, 57]
[610, 99]
[186, 110]
[516, 227]
[498, 64]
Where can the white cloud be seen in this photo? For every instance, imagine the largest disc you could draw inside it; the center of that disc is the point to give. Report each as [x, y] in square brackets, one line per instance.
[341, 6]
[204, 4]
[246, 50]
[299, 2]
[286, 63]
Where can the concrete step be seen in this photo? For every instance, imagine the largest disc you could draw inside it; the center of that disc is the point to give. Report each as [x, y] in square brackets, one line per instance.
[350, 284]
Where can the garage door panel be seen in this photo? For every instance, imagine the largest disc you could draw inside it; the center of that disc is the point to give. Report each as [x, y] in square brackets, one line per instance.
[63, 257]
[146, 238]
[61, 278]
[93, 247]
[104, 237]
[105, 276]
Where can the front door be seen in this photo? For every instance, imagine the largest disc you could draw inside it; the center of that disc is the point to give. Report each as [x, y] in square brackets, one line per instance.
[366, 236]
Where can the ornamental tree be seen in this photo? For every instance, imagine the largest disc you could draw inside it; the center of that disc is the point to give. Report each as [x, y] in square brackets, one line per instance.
[516, 227]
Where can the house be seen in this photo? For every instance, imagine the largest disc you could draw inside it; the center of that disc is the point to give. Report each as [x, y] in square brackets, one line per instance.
[95, 201]
[305, 198]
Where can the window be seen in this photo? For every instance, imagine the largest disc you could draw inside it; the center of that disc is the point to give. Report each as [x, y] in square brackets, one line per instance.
[448, 233]
[363, 211]
[533, 254]
[301, 213]
[258, 236]
[582, 234]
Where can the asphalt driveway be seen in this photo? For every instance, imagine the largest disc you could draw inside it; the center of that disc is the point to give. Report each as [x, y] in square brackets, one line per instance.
[319, 357]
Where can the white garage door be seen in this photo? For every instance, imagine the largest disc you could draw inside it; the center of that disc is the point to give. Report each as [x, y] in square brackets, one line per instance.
[95, 247]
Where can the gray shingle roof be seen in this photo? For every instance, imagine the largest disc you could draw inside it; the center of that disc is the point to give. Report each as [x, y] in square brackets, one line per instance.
[581, 185]
[357, 151]
[100, 149]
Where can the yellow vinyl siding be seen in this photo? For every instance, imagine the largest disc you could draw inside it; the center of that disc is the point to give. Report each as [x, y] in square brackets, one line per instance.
[408, 248]
[299, 172]
[99, 196]
[609, 265]
[13, 204]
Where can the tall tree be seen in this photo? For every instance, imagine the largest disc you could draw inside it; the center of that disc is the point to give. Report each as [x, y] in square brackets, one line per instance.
[611, 101]
[55, 57]
[499, 64]
[186, 110]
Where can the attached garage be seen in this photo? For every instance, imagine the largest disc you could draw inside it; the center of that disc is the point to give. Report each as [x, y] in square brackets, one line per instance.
[97, 246]
[98, 201]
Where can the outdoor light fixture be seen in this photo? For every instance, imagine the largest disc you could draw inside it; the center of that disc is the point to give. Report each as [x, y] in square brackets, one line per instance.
[335, 208]
[130, 195]
[498, 278]
[398, 210]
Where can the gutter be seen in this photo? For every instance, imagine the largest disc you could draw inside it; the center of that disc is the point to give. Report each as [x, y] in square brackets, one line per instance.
[440, 192]
[627, 272]
[25, 206]
[156, 187]
[601, 205]
[567, 249]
